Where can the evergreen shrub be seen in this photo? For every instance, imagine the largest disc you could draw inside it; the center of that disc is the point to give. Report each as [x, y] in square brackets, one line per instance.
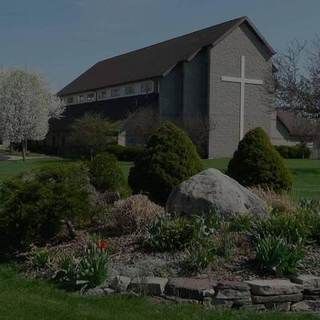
[34, 205]
[257, 163]
[169, 158]
[106, 174]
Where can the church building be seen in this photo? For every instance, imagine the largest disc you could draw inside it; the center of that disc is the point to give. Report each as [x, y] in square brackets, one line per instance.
[219, 78]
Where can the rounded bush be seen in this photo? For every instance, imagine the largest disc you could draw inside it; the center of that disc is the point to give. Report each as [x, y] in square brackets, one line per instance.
[106, 174]
[257, 163]
[128, 153]
[34, 205]
[168, 159]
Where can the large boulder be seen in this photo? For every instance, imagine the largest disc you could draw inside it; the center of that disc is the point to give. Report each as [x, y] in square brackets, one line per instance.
[212, 191]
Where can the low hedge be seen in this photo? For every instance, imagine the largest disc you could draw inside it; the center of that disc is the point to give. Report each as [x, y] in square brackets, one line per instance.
[122, 153]
[125, 153]
[299, 151]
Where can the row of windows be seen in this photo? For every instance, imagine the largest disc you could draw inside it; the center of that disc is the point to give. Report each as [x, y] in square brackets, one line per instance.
[139, 88]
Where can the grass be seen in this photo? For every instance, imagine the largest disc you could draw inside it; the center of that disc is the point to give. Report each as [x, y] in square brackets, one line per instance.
[22, 299]
[12, 168]
[306, 178]
[306, 172]
[306, 175]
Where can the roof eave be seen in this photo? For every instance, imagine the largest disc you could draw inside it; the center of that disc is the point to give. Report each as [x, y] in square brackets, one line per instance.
[223, 36]
[262, 38]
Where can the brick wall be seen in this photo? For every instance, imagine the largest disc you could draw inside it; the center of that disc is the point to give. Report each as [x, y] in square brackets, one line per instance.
[224, 97]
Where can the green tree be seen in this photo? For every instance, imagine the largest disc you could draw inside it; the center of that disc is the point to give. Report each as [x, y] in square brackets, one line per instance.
[257, 163]
[94, 133]
[169, 159]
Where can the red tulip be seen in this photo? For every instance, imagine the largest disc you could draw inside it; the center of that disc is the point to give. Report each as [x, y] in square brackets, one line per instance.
[103, 245]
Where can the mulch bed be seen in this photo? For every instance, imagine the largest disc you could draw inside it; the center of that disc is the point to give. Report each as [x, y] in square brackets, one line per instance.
[128, 258]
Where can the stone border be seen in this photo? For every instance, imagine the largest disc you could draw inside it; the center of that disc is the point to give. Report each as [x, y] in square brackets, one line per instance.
[300, 294]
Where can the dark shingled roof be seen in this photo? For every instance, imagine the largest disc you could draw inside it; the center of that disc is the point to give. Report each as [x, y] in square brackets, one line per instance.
[297, 127]
[153, 61]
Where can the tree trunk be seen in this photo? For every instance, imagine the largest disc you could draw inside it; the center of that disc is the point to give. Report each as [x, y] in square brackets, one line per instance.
[91, 154]
[71, 229]
[24, 149]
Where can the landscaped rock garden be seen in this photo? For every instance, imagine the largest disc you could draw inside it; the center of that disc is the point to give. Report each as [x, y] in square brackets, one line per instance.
[185, 235]
[301, 294]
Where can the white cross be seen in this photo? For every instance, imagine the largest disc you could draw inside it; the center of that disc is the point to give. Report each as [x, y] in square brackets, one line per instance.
[243, 81]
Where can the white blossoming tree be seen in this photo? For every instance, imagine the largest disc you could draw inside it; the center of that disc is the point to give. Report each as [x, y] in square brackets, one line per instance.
[26, 105]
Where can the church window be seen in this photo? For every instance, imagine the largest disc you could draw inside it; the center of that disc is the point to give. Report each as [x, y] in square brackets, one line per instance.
[146, 87]
[102, 94]
[69, 100]
[129, 90]
[115, 92]
[82, 98]
[90, 97]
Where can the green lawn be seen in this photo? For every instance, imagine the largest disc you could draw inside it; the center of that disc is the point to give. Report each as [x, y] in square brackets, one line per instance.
[22, 299]
[306, 178]
[306, 172]
[12, 168]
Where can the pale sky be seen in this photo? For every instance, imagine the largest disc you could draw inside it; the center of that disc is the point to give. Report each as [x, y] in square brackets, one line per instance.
[62, 38]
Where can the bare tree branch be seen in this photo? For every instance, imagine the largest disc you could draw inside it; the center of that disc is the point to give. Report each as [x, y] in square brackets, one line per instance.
[297, 81]
[141, 123]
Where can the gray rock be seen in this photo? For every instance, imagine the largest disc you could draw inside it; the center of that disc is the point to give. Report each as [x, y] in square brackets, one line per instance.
[221, 303]
[274, 287]
[229, 294]
[208, 293]
[153, 286]
[212, 191]
[230, 291]
[311, 296]
[274, 299]
[190, 288]
[311, 292]
[306, 306]
[309, 282]
[233, 285]
[95, 292]
[120, 283]
[108, 291]
[238, 303]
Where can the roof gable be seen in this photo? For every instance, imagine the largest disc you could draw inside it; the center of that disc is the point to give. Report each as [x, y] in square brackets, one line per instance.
[296, 125]
[153, 61]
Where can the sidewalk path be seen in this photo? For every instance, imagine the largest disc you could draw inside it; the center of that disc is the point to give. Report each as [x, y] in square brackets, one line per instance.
[8, 157]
